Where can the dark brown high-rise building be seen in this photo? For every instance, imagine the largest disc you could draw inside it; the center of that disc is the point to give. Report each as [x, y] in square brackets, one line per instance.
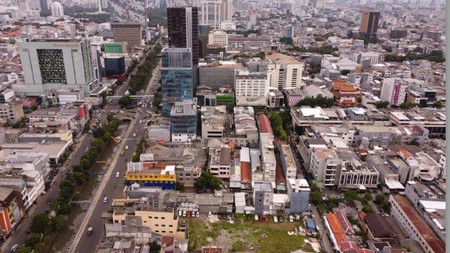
[369, 22]
[182, 23]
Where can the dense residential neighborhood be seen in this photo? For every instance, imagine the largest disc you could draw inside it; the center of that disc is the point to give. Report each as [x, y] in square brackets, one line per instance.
[205, 126]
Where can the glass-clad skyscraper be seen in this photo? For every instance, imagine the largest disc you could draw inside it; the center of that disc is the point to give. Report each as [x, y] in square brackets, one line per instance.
[176, 77]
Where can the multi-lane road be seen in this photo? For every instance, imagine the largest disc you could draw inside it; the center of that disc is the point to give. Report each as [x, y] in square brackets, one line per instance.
[113, 188]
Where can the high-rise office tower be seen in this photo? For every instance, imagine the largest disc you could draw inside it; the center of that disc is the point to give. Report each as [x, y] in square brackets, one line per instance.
[177, 74]
[203, 36]
[369, 22]
[182, 25]
[57, 9]
[393, 91]
[214, 12]
[56, 64]
[44, 5]
[129, 32]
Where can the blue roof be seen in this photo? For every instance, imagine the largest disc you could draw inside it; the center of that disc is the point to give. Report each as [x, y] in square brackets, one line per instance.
[310, 224]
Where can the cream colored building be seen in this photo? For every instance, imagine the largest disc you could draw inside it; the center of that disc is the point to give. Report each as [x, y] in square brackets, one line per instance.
[162, 222]
[285, 72]
[11, 112]
[218, 38]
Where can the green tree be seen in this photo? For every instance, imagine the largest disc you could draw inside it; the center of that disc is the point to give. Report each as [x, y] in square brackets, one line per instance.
[33, 240]
[87, 127]
[408, 105]
[125, 101]
[207, 181]
[179, 186]
[287, 40]
[351, 195]
[439, 104]
[381, 104]
[23, 249]
[40, 224]
[154, 247]
[57, 222]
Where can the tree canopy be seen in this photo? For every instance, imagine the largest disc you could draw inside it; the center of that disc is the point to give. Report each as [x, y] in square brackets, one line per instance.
[207, 181]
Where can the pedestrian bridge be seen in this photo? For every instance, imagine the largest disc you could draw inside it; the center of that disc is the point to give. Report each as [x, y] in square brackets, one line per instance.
[133, 97]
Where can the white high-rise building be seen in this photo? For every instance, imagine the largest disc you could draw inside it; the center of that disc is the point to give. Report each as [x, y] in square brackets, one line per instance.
[251, 84]
[57, 9]
[285, 72]
[393, 91]
[214, 12]
[56, 64]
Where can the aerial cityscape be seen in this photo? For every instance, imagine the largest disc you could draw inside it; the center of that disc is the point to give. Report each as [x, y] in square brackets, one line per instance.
[216, 126]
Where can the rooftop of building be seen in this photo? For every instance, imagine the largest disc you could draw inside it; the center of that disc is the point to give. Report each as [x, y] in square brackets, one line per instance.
[417, 221]
[278, 58]
[264, 124]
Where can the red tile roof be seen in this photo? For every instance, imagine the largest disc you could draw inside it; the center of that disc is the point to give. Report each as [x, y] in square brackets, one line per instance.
[346, 245]
[345, 223]
[246, 172]
[417, 221]
[336, 228]
[264, 124]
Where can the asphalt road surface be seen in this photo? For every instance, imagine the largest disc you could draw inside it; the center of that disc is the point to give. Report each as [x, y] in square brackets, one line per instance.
[19, 235]
[114, 187]
[113, 190]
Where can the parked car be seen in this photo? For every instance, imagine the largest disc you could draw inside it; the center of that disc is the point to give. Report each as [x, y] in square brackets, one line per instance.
[280, 218]
[291, 218]
[266, 218]
[275, 219]
[117, 174]
[105, 199]
[14, 247]
[256, 217]
[197, 214]
[189, 214]
[184, 213]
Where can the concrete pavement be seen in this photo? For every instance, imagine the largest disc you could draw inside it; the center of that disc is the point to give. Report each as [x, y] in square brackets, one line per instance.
[325, 241]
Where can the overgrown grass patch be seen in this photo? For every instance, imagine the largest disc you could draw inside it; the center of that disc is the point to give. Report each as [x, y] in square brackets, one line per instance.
[246, 235]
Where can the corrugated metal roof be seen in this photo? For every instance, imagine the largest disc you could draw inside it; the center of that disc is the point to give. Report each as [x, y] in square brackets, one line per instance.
[417, 221]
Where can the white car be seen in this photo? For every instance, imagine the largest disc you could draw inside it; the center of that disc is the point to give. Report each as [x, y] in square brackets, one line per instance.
[105, 199]
[117, 174]
[134, 134]
[126, 147]
[14, 247]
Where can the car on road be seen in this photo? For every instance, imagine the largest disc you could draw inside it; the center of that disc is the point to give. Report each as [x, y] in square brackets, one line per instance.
[89, 231]
[117, 174]
[126, 147]
[29, 230]
[134, 134]
[14, 247]
[105, 199]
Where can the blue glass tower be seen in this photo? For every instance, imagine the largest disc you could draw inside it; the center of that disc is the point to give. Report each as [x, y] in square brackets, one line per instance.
[176, 77]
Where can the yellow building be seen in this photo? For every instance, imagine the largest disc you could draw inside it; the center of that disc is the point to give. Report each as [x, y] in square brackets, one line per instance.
[148, 174]
[159, 221]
